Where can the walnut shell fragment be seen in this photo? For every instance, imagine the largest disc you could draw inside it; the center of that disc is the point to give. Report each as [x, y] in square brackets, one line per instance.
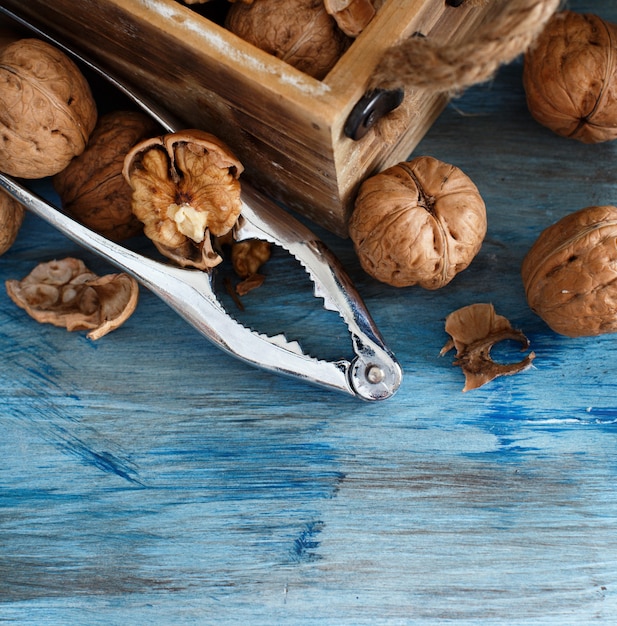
[66, 293]
[300, 32]
[11, 218]
[418, 223]
[92, 188]
[570, 273]
[474, 330]
[352, 16]
[185, 189]
[47, 110]
[570, 77]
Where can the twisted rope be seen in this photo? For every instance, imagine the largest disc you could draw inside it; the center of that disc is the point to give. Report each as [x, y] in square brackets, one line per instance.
[420, 62]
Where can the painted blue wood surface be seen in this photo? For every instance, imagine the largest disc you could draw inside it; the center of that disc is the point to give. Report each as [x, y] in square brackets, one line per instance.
[149, 478]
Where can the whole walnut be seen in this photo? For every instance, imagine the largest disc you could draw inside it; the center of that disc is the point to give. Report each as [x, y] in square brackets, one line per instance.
[418, 223]
[570, 77]
[300, 32]
[185, 191]
[570, 273]
[47, 111]
[11, 218]
[92, 188]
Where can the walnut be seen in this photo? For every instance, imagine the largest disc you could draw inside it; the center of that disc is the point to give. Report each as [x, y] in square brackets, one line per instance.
[47, 111]
[66, 293]
[92, 188]
[300, 32]
[185, 189]
[247, 257]
[204, 1]
[474, 331]
[419, 222]
[11, 218]
[352, 16]
[570, 77]
[570, 273]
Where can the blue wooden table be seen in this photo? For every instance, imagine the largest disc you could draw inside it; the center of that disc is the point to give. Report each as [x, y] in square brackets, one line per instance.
[148, 478]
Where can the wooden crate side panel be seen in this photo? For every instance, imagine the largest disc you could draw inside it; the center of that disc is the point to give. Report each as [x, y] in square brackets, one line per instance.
[281, 134]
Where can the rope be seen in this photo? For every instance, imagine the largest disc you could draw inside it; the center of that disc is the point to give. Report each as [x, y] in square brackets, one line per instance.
[420, 62]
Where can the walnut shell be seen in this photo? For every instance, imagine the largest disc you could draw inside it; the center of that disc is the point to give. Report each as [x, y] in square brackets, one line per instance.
[474, 330]
[185, 189]
[352, 16]
[47, 111]
[11, 218]
[92, 188]
[570, 273]
[570, 77]
[419, 222]
[300, 32]
[66, 293]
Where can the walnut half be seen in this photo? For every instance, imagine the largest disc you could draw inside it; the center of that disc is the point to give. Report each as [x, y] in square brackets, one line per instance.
[66, 293]
[185, 189]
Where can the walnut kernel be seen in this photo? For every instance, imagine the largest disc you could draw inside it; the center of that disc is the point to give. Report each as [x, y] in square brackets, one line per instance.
[66, 293]
[185, 189]
[570, 77]
[570, 273]
[11, 217]
[419, 222]
[92, 188]
[247, 257]
[47, 111]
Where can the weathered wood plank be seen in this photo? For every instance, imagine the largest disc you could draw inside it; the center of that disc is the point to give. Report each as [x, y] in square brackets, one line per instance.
[149, 478]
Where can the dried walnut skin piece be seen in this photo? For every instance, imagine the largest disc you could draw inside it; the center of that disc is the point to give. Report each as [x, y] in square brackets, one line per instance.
[570, 273]
[11, 218]
[352, 16]
[300, 32]
[418, 223]
[47, 111]
[92, 187]
[570, 77]
[67, 294]
[474, 330]
[185, 189]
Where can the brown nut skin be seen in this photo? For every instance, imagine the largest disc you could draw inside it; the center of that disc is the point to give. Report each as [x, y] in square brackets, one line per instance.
[352, 16]
[300, 32]
[11, 218]
[418, 223]
[92, 188]
[185, 190]
[47, 111]
[570, 77]
[570, 273]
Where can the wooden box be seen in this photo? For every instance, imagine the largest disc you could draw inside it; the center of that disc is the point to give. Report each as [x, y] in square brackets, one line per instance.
[286, 127]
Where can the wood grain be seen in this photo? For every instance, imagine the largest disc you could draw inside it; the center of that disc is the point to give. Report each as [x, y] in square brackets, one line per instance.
[150, 478]
[286, 127]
